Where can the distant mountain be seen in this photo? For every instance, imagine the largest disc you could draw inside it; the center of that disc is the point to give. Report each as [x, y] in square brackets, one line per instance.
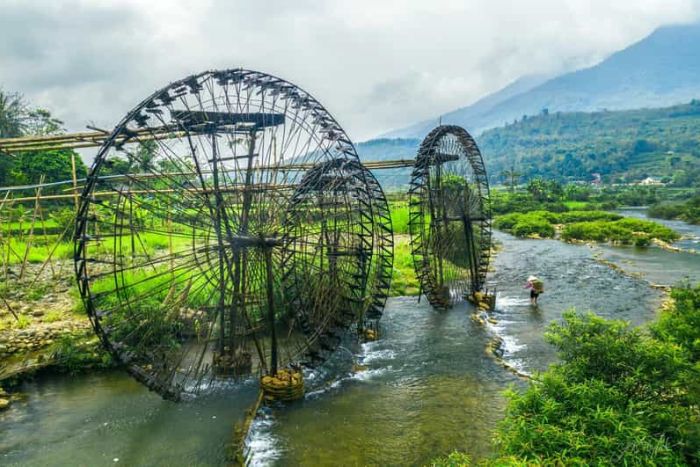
[384, 149]
[472, 112]
[660, 70]
[622, 146]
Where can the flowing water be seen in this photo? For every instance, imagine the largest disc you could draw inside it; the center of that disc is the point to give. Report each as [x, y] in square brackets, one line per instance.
[426, 387]
[109, 419]
[656, 265]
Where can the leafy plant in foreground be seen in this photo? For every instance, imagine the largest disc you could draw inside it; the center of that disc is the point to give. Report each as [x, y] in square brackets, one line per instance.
[620, 396]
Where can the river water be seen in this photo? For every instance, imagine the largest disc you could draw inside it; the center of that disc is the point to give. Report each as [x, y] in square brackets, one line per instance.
[427, 387]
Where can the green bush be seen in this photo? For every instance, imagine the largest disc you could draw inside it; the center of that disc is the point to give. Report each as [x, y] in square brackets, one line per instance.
[454, 459]
[399, 217]
[526, 224]
[625, 231]
[620, 396]
[680, 324]
[688, 211]
[80, 352]
[582, 216]
[533, 226]
[508, 221]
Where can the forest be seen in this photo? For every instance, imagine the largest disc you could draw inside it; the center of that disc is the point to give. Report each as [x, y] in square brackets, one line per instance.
[621, 146]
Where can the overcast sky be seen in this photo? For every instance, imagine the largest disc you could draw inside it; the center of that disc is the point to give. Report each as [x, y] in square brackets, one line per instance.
[375, 65]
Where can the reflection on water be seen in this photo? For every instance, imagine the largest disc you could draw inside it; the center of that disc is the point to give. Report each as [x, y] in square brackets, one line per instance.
[109, 419]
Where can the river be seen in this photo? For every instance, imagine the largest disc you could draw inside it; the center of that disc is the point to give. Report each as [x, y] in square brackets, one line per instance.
[428, 385]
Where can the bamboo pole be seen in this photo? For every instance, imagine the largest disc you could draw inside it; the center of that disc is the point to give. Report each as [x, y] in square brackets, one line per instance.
[6, 265]
[46, 241]
[31, 230]
[82, 140]
[53, 250]
[75, 182]
[9, 308]
[197, 191]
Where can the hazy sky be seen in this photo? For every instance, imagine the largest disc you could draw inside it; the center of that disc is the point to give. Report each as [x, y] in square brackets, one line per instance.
[376, 65]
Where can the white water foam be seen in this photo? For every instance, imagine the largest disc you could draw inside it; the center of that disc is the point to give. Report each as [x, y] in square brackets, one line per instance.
[511, 345]
[384, 354]
[508, 302]
[261, 443]
[369, 374]
[318, 392]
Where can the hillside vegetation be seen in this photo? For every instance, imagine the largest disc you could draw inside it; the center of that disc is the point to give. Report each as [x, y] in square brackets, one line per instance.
[624, 146]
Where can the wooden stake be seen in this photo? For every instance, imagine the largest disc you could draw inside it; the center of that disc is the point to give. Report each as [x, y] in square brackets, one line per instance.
[31, 230]
[75, 182]
[46, 241]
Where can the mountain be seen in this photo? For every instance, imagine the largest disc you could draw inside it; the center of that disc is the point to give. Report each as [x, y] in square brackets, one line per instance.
[473, 111]
[660, 70]
[622, 146]
[385, 149]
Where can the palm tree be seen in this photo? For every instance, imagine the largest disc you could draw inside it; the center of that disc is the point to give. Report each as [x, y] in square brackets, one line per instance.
[514, 177]
[13, 114]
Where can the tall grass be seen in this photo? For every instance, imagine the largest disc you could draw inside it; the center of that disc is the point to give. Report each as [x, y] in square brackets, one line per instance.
[399, 216]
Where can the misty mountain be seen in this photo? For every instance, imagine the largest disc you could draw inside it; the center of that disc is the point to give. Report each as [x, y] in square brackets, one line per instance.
[472, 112]
[622, 146]
[662, 69]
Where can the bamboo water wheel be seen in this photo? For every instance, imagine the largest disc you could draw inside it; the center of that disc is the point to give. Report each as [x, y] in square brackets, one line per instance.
[250, 239]
[449, 216]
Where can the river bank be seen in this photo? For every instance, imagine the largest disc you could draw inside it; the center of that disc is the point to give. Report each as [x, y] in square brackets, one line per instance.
[427, 387]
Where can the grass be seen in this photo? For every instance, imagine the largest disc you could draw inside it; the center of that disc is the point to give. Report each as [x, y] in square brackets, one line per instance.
[13, 250]
[624, 231]
[52, 316]
[403, 280]
[575, 205]
[23, 322]
[598, 226]
[399, 216]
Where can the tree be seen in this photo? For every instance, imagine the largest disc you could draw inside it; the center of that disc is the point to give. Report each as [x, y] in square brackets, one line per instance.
[53, 165]
[619, 396]
[18, 119]
[13, 111]
[143, 160]
[514, 177]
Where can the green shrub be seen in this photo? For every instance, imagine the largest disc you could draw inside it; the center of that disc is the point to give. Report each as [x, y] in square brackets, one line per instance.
[625, 231]
[584, 216]
[454, 459]
[526, 224]
[688, 211]
[642, 241]
[399, 217]
[79, 352]
[620, 396]
[508, 221]
[533, 226]
[680, 324]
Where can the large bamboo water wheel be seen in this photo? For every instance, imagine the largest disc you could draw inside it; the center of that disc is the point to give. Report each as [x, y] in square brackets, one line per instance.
[449, 216]
[236, 233]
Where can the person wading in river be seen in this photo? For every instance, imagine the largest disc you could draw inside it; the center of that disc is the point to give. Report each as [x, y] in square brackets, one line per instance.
[536, 287]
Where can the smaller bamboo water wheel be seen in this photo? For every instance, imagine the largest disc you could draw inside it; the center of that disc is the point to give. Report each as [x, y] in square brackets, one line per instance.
[449, 216]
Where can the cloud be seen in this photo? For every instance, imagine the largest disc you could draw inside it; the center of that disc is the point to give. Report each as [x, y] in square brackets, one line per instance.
[375, 65]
